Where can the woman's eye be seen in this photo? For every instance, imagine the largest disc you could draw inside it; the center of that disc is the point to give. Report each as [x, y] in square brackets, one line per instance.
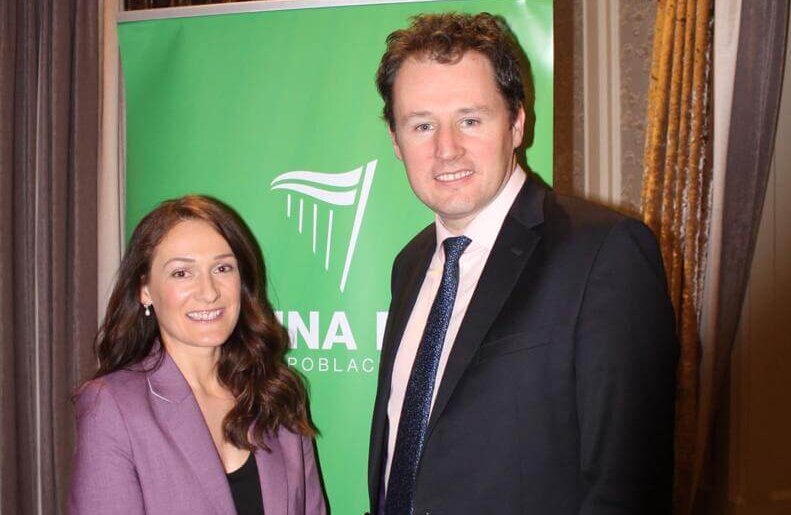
[225, 268]
[179, 274]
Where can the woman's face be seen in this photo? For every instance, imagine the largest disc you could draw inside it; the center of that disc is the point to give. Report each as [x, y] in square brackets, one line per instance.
[193, 286]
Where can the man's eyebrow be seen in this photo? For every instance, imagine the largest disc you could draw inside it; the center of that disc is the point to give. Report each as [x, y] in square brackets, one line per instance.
[415, 114]
[474, 109]
[464, 110]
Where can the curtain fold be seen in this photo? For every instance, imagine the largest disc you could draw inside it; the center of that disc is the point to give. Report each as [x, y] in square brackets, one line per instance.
[677, 188]
[48, 169]
[676, 193]
[7, 334]
[754, 109]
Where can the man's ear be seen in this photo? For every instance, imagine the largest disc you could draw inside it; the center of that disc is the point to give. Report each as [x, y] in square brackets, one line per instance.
[396, 148]
[518, 127]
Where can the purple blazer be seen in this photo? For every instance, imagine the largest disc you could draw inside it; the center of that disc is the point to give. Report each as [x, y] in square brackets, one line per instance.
[144, 447]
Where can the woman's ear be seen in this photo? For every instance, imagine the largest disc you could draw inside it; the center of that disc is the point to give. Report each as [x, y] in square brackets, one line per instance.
[145, 296]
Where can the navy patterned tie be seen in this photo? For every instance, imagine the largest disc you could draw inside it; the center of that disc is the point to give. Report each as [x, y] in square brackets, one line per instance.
[417, 398]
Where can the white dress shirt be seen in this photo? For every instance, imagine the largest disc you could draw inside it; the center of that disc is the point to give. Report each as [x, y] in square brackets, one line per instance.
[483, 231]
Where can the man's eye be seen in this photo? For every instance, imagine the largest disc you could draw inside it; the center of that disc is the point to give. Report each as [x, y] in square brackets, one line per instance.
[422, 127]
[470, 122]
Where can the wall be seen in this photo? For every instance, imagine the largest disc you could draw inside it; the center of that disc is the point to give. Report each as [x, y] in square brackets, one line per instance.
[603, 59]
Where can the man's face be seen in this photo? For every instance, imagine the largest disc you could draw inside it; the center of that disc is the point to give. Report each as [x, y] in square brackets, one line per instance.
[454, 134]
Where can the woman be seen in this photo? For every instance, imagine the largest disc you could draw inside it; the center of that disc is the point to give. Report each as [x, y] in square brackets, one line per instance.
[193, 409]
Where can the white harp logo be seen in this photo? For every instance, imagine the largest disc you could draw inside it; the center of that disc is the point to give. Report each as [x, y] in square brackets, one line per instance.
[333, 191]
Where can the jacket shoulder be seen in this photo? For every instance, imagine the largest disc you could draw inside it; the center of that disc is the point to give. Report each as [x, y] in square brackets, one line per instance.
[589, 230]
[576, 217]
[580, 213]
[122, 388]
[414, 249]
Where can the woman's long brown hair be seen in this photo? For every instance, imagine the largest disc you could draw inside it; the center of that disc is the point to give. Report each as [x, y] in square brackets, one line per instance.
[268, 394]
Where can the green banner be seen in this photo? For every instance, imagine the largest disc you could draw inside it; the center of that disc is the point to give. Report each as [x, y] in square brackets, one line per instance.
[276, 113]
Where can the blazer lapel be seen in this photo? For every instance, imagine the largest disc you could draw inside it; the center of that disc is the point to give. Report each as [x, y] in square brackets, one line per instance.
[272, 475]
[405, 292]
[514, 245]
[179, 414]
[404, 301]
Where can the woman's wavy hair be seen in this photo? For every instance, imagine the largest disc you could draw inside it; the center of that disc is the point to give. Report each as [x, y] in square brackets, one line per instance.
[268, 393]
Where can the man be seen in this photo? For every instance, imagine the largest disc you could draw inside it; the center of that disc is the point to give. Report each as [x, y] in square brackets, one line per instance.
[529, 357]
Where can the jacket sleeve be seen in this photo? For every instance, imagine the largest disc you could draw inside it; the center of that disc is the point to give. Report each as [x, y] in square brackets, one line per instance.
[104, 478]
[314, 493]
[625, 360]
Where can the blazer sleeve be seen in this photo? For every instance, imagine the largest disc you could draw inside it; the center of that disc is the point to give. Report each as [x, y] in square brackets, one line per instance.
[314, 494]
[104, 478]
[625, 360]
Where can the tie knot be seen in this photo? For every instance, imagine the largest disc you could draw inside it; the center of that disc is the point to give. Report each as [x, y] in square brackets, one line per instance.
[454, 248]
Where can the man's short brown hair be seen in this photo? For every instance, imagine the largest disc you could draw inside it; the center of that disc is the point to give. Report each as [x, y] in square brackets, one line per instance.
[445, 38]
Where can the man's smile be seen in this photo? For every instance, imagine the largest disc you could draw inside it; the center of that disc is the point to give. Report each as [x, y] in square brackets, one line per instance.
[453, 176]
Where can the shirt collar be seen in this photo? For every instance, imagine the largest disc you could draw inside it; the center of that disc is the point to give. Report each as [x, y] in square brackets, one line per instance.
[484, 228]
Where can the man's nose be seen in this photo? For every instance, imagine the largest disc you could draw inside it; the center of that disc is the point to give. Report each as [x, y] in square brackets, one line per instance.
[448, 144]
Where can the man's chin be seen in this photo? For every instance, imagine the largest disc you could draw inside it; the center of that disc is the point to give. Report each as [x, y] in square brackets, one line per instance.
[456, 222]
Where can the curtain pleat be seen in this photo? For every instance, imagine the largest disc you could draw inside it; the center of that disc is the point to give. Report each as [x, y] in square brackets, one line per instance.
[675, 198]
[9, 24]
[754, 109]
[48, 170]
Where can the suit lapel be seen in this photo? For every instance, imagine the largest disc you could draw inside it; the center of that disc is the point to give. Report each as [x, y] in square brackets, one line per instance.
[405, 300]
[272, 475]
[512, 249]
[178, 413]
[405, 291]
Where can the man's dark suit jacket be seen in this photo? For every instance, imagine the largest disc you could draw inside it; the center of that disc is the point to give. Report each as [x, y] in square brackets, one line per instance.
[558, 395]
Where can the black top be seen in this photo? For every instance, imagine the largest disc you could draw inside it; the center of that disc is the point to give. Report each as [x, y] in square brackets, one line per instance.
[246, 488]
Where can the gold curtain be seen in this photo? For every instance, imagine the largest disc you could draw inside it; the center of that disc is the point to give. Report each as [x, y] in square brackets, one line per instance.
[675, 197]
